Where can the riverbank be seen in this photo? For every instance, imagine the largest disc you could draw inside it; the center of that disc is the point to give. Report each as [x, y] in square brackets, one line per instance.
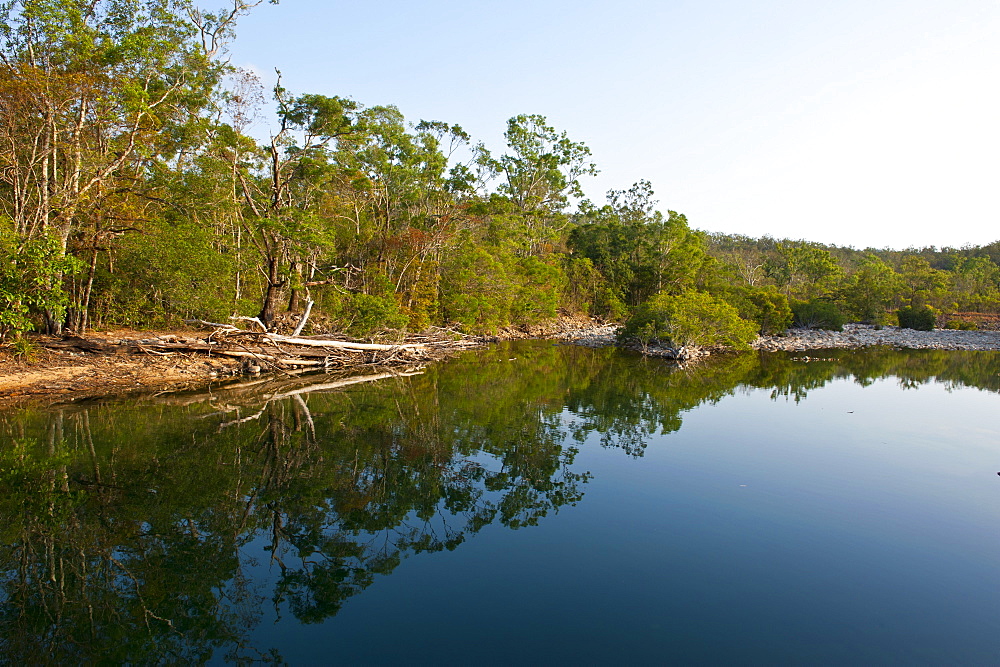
[123, 362]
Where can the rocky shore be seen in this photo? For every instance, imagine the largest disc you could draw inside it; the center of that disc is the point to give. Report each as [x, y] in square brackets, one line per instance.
[599, 336]
[796, 340]
[866, 335]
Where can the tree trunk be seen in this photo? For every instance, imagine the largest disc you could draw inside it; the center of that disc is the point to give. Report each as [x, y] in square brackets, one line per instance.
[271, 293]
[293, 298]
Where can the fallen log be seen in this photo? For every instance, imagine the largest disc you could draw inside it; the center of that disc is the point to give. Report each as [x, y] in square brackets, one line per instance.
[341, 344]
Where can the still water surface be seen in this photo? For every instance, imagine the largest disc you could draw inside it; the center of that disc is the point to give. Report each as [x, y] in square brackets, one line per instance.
[529, 503]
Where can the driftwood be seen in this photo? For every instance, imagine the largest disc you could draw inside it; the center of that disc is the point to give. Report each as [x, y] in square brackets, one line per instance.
[341, 344]
[305, 317]
[263, 351]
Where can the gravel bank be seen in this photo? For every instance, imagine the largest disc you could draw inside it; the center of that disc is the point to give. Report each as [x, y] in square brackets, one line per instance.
[853, 336]
[866, 335]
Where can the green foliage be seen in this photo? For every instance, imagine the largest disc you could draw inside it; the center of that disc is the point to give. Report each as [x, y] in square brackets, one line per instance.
[483, 290]
[587, 291]
[871, 291]
[30, 279]
[920, 318]
[476, 289]
[766, 306]
[538, 285]
[638, 250]
[363, 315]
[690, 318]
[805, 270]
[818, 314]
[921, 283]
[960, 325]
[23, 349]
[169, 272]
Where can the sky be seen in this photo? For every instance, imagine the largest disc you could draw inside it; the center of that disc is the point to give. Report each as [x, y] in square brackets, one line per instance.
[864, 123]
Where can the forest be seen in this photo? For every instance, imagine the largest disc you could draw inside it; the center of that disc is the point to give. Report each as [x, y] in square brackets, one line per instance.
[132, 193]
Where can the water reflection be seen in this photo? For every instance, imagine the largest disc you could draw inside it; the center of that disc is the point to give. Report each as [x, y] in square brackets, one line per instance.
[161, 530]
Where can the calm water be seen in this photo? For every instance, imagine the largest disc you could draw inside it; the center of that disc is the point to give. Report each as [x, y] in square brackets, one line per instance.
[528, 504]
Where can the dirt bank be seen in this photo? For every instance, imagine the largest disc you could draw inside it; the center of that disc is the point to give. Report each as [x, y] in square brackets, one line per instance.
[122, 362]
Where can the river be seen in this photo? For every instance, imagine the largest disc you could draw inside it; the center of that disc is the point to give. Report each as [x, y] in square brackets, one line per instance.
[529, 503]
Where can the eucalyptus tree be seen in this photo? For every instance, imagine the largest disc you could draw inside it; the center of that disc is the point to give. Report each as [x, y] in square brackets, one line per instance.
[923, 284]
[541, 172]
[976, 282]
[804, 270]
[283, 183]
[871, 290]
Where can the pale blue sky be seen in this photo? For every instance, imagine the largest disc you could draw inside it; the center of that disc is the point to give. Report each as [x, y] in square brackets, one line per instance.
[864, 123]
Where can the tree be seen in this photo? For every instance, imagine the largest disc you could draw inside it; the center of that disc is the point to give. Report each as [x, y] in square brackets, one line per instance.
[283, 183]
[805, 270]
[923, 284]
[690, 318]
[541, 171]
[870, 292]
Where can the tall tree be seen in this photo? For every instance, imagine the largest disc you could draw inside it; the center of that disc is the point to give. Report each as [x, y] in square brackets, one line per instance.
[541, 172]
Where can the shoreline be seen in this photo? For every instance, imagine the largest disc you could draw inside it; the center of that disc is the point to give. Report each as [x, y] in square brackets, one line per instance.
[854, 336]
[126, 362]
[858, 336]
[119, 363]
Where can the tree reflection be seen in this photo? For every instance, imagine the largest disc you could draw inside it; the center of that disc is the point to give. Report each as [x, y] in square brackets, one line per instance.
[132, 529]
[161, 531]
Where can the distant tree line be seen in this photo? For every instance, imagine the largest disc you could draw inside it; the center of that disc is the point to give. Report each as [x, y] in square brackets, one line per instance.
[132, 193]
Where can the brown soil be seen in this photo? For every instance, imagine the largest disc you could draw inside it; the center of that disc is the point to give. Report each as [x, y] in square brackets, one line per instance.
[61, 375]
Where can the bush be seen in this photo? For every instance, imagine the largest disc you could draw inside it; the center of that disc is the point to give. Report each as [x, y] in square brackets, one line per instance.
[691, 318]
[818, 314]
[31, 274]
[920, 318]
[764, 305]
[366, 314]
[960, 325]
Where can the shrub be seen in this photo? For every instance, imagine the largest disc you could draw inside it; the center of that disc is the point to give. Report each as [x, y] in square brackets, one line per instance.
[921, 318]
[764, 305]
[960, 325]
[23, 349]
[30, 279]
[818, 314]
[691, 318]
[366, 314]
